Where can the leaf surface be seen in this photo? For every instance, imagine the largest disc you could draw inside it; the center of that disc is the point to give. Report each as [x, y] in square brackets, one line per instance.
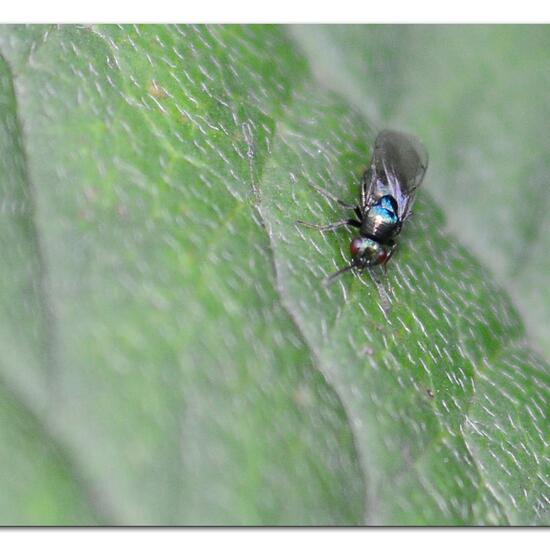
[165, 332]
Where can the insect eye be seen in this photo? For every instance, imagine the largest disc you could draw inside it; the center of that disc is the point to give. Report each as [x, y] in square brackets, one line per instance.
[357, 246]
[381, 257]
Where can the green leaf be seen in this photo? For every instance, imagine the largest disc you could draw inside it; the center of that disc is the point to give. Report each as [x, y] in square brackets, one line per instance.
[170, 356]
[478, 96]
[140, 319]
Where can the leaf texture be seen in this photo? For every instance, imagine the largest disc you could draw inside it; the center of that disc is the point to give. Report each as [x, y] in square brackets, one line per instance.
[169, 351]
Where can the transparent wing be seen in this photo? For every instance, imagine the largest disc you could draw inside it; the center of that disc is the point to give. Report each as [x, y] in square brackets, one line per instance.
[398, 165]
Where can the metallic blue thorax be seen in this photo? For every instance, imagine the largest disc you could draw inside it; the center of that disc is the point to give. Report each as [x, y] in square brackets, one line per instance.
[381, 221]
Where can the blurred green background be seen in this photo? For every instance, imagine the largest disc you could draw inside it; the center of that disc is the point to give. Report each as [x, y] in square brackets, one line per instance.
[169, 355]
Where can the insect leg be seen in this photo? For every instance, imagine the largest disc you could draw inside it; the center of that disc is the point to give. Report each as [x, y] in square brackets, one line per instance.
[330, 226]
[331, 197]
[393, 248]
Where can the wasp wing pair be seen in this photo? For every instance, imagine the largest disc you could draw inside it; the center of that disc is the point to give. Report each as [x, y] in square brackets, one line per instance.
[399, 162]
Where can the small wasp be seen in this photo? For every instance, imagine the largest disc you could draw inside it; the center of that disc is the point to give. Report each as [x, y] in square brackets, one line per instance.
[388, 190]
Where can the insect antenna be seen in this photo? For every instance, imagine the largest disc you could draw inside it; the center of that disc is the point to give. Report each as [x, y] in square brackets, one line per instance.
[331, 278]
